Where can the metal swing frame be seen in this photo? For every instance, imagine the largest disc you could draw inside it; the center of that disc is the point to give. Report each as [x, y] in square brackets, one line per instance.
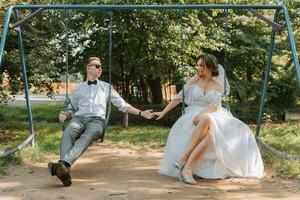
[253, 8]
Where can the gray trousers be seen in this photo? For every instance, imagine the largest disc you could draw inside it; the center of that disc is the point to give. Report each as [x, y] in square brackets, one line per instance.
[79, 134]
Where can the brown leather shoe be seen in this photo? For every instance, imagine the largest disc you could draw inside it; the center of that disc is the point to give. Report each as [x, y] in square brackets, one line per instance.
[61, 171]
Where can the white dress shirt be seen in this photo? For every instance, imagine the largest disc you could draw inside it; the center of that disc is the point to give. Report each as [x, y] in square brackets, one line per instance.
[91, 100]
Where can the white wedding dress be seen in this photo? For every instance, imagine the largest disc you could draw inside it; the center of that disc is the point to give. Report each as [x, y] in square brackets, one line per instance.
[233, 151]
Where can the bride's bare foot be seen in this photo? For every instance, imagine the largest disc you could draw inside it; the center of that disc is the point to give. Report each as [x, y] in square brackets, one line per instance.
[187, 176]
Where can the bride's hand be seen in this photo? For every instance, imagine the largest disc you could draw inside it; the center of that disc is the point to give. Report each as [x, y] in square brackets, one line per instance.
[159, 115]
[196, 119]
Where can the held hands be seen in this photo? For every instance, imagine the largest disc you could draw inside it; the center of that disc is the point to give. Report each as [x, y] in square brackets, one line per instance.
[159, 115]
[148, 114]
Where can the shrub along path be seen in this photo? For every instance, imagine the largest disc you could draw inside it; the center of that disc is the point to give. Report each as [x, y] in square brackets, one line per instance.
[108, 172]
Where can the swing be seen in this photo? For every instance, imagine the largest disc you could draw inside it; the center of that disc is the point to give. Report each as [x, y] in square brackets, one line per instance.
[275, 26]
[225, 102]
[67, 98]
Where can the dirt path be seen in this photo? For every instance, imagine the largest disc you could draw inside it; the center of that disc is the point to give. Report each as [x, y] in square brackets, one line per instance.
[107, 172]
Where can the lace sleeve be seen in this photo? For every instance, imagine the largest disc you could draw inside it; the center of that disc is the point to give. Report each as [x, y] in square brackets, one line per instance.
[186, 89]
[179, 95]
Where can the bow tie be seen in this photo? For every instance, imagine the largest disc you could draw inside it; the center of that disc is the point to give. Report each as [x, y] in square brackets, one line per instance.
[92, 82]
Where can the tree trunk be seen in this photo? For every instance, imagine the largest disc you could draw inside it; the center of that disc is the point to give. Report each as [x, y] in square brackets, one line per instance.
[127, 89]
[122, 74]
[155, 88]
[144, 91]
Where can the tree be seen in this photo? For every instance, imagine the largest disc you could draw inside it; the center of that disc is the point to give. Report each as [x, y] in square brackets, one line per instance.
[152, 47]
[40, 52]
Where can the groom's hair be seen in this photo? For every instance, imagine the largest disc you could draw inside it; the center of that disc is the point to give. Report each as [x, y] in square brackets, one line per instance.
[90, 59]
[210, 62]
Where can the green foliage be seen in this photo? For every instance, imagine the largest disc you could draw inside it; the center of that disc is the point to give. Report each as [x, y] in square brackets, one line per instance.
[284, 92]
[148, 50]
[5, 96]
[41, 58]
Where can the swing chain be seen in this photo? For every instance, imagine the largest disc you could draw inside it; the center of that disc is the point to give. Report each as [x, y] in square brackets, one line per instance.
[226, 103]
[66, 23]
[181, 14]
[108, 104]
[67, 98]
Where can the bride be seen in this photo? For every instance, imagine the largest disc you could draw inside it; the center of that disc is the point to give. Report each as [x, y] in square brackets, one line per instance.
[207, 141]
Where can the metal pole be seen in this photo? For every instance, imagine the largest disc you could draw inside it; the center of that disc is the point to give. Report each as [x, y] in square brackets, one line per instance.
[153, 7]
[292, 42]
[25, 80]
[268, 21]
[26, 19]
[267, 70]
[4, 33]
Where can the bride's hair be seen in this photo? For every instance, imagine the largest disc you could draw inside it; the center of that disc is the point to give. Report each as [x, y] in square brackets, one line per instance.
[210, 62]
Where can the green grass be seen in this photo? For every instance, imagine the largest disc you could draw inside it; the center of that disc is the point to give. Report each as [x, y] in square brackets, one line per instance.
[285, 138]
[14, 129]
[10, 160]
[138, 137]
[47, 141]
[40, 112]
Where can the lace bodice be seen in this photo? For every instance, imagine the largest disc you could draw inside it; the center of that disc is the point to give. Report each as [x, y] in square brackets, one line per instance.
[195, 96]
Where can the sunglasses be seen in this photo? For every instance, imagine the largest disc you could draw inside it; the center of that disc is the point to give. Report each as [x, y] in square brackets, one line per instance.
[96, 65]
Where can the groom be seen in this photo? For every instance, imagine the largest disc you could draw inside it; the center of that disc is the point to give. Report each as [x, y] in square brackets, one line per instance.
[87, 113]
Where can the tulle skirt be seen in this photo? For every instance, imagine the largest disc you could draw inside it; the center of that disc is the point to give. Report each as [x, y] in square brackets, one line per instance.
[232, 152]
